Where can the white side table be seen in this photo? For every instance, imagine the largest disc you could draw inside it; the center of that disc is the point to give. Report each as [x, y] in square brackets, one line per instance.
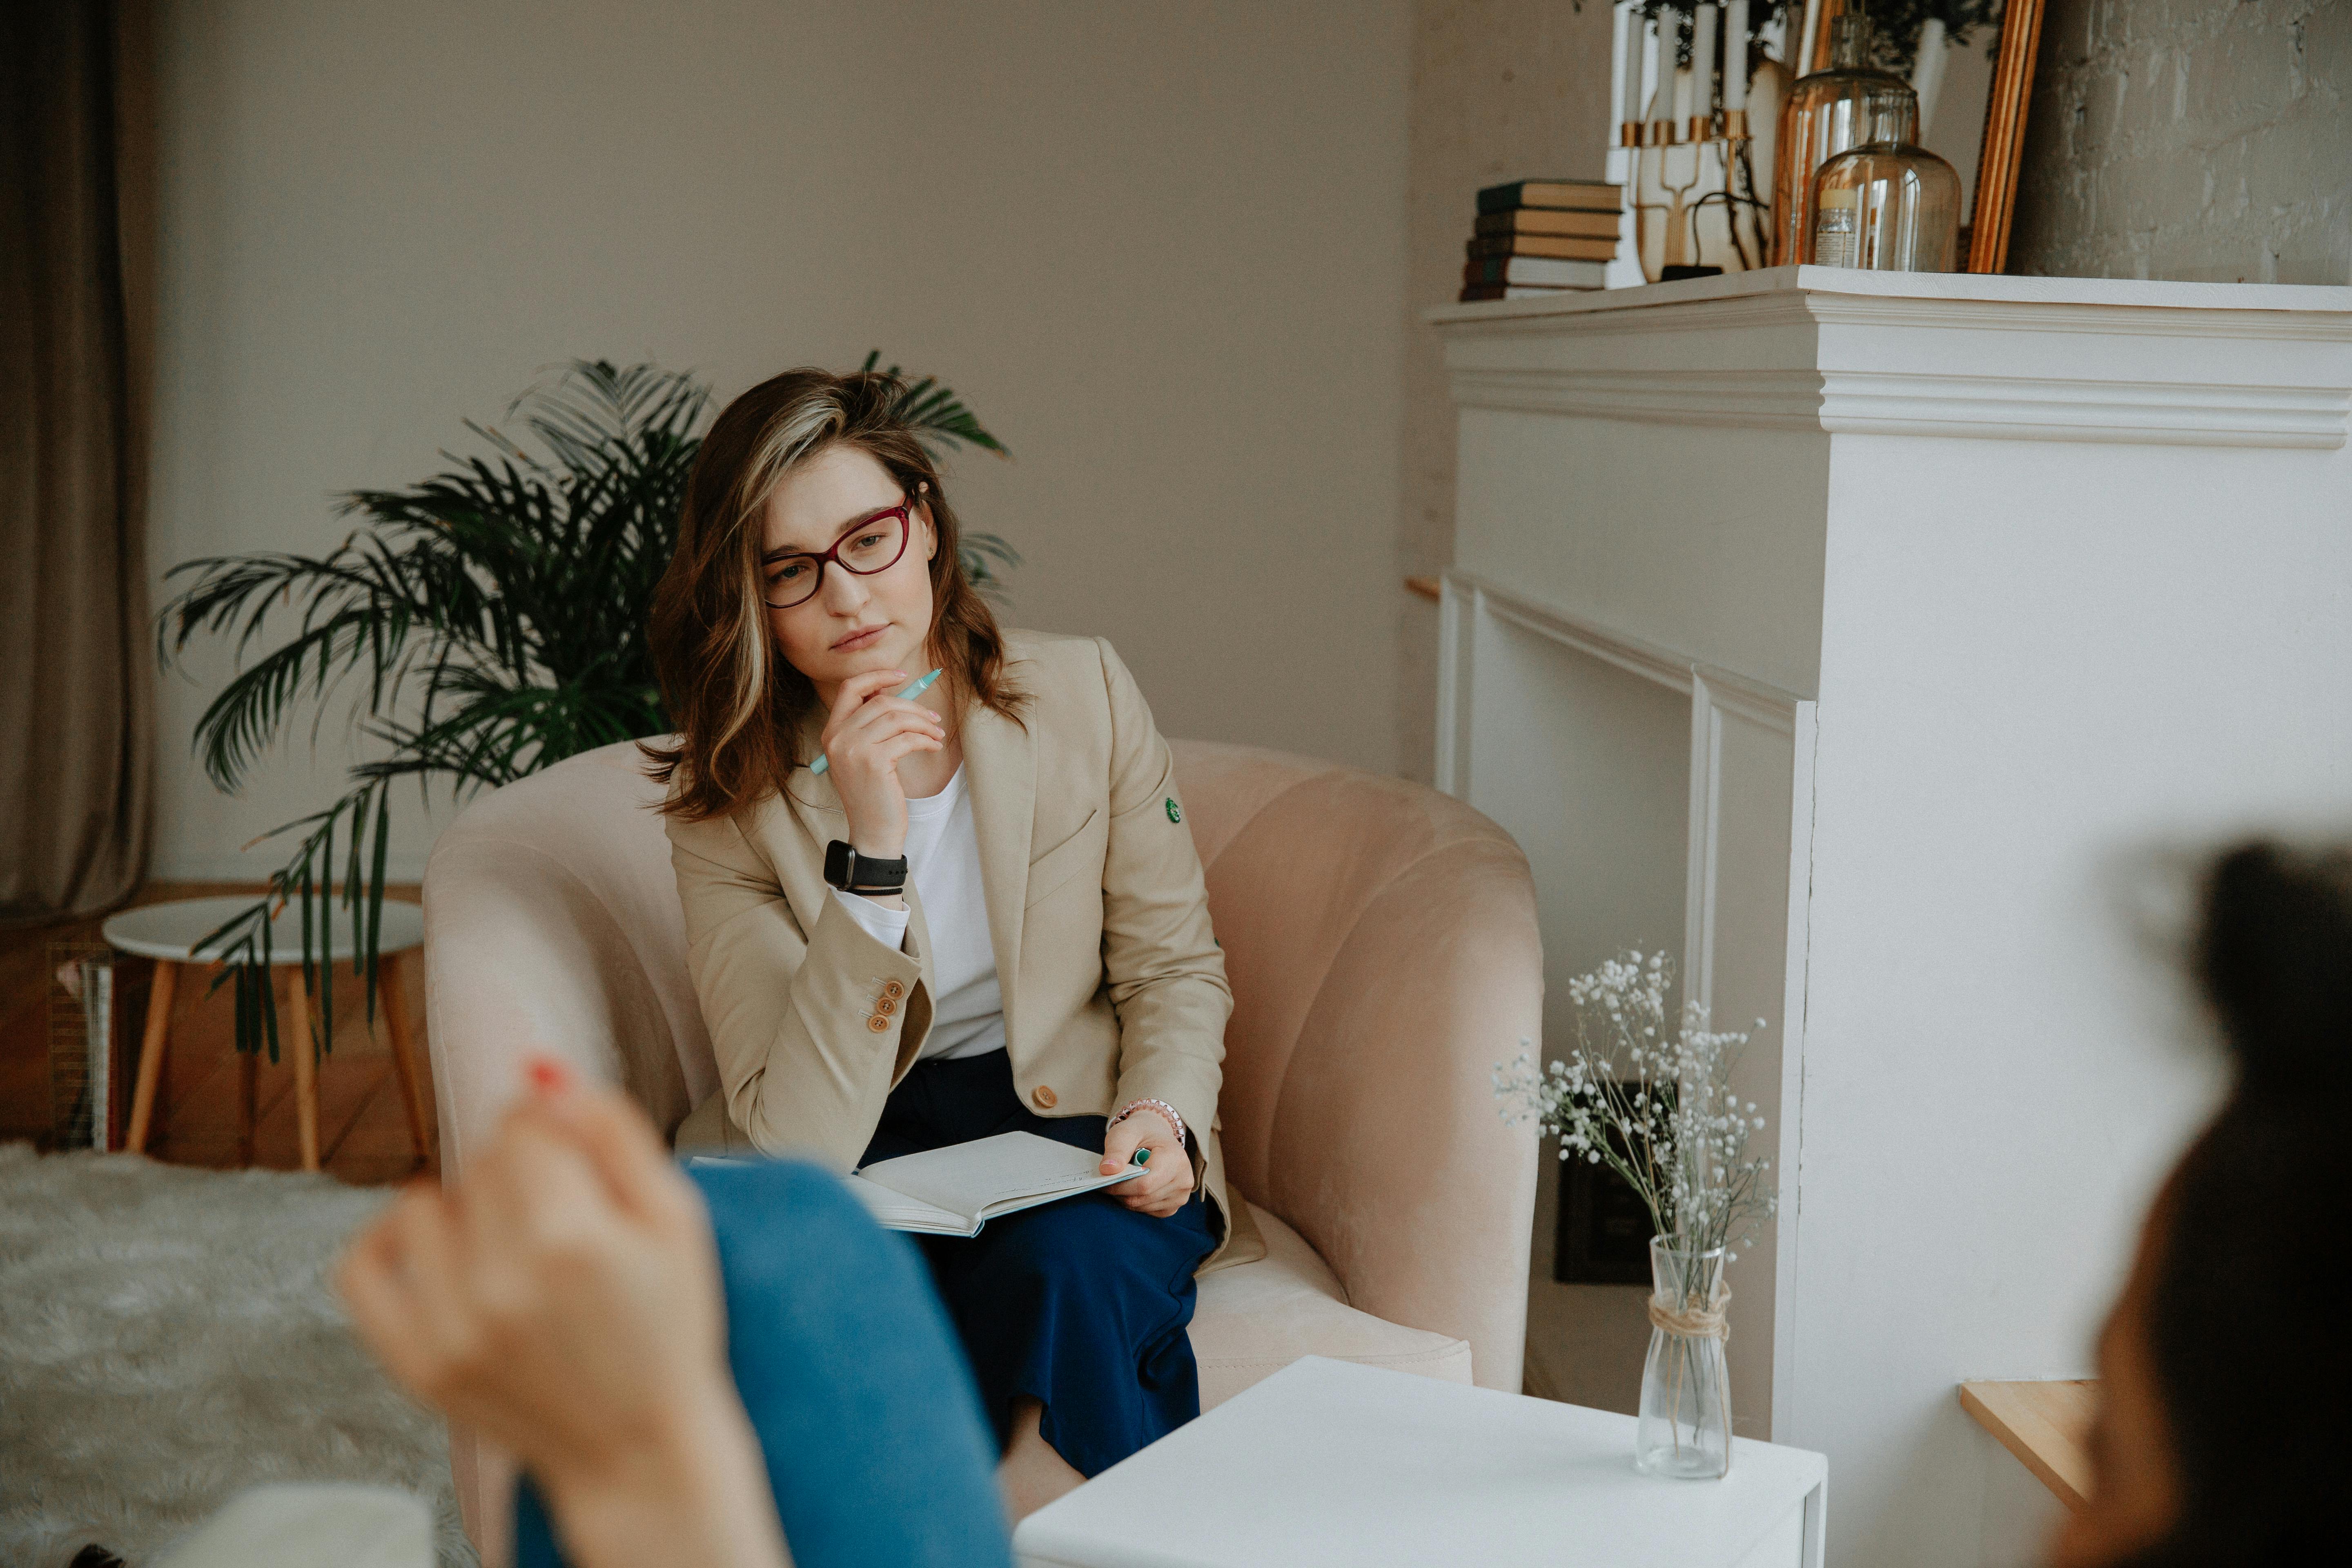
[168, 933]
[1330, 1463]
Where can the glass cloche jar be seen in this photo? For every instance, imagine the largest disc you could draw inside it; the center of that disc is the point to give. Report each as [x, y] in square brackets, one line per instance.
[1887, 207]
[1846, 104]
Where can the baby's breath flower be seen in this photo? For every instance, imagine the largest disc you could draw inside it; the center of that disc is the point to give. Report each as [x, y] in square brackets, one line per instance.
[1665, 1121]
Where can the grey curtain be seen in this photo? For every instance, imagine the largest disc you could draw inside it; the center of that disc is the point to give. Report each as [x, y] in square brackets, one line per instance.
[77, 291]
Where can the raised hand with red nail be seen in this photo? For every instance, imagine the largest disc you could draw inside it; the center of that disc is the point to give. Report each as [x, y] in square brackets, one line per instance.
[563, 1300]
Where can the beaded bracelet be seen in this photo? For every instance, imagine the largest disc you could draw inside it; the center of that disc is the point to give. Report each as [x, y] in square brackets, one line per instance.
[1160, 1106]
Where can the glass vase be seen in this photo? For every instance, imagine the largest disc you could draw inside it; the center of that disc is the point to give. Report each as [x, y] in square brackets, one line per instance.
[1886, 206]
[1843, 105]
[1685, 1428]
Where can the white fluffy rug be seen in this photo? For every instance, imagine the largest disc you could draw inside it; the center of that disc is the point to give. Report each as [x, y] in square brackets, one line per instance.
[167, 1338]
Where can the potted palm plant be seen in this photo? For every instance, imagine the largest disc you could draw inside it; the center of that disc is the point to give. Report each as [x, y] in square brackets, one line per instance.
[490, 622]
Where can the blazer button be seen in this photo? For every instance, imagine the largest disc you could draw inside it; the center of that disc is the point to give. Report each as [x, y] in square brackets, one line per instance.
[878, 1022]
[893, 990]
[1045, 1097]
[885, 1007]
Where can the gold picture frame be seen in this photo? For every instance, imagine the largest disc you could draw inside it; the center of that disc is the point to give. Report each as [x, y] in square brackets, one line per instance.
[2004, 135]
[2002, 143]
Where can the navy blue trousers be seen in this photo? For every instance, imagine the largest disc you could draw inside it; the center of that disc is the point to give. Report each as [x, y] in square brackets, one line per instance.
[877, 1451]
[1082, 1304]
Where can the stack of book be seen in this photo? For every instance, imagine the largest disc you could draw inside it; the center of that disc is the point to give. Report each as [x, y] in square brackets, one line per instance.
[1540, 237]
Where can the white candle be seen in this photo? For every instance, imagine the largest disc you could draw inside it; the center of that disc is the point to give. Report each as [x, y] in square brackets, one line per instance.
[1928, 72]
[1735, 55]
[1682, 88]
[1703, 59]
[1661, 56]
[1810, 43]
[1633, 99]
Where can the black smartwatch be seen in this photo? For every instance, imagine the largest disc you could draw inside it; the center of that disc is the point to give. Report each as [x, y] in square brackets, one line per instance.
[854, 873]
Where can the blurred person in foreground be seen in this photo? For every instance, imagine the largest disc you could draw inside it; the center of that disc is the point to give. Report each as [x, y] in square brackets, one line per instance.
[571, 1297]
[2225, 1424]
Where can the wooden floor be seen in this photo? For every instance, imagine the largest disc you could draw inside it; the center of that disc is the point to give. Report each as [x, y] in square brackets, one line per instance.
[364, 1136]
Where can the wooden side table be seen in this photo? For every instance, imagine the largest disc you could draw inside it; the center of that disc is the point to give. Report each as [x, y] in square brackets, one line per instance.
[169, 933]
[1327, 1463]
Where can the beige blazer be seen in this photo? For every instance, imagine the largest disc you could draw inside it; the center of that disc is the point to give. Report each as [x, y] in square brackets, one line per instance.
[1114, 986]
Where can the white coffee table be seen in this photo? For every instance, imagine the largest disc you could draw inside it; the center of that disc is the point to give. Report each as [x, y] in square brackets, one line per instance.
[169, 933]
[1328, 1463]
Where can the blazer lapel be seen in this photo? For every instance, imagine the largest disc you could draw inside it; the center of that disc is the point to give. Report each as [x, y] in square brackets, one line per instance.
[798, 824]
[999, 763]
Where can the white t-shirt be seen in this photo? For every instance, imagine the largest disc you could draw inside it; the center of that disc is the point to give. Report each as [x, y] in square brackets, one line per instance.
[943, 863]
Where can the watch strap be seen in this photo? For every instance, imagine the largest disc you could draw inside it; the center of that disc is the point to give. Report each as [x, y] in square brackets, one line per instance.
[845, 869]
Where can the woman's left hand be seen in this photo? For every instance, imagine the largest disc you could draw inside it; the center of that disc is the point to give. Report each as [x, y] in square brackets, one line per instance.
[1166, 1180]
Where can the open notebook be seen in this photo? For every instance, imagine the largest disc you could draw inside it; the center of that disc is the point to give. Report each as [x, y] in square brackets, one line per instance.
[956, 1189]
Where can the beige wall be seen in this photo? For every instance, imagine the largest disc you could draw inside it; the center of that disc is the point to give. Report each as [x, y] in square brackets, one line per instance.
[1160, 247]
[1502, 90]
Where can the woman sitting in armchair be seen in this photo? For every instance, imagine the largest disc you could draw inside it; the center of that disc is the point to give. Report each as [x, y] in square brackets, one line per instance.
[915, 921]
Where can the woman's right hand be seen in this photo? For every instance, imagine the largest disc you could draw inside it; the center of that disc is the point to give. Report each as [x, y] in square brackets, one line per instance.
[865, 736]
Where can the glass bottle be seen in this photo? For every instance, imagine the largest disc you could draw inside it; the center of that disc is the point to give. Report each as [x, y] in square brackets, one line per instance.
[1887, 207]
[1843, 105]
[1685, 1428]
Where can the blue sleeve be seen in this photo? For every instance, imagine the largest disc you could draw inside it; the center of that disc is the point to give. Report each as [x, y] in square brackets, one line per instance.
[864, 1405]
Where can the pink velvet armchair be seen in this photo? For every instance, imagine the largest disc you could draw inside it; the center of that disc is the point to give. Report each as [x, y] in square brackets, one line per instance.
[1381, 940]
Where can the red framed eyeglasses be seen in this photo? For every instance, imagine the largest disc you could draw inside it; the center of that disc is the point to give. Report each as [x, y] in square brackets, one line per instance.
[873, 545]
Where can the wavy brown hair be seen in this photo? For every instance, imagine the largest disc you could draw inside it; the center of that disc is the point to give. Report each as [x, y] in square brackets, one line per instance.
[737, 705]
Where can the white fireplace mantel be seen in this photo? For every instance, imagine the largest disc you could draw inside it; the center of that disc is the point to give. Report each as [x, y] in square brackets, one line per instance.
[1858, 637]
[1952, 354]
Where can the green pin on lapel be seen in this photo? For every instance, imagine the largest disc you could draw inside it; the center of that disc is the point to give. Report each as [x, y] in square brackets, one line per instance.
[1173, 814]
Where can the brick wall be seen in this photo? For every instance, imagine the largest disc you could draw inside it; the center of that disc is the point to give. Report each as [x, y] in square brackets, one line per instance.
[2190, 138]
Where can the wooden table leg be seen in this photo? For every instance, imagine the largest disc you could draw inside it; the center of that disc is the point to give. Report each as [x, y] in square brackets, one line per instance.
[151, 1054]
[306, 1066]
[392, 984]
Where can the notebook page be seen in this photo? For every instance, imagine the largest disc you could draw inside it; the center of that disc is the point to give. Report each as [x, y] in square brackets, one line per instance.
[1031, 1200]
[892, 1211]
[896, 1211]
[966, 1179]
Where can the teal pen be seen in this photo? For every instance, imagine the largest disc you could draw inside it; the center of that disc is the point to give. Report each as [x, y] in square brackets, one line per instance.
[914, 689]
[1140, 1157]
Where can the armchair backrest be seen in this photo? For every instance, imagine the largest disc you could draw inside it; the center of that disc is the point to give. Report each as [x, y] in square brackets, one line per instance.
[551, 923]
[1381, 940]
[1379, 937]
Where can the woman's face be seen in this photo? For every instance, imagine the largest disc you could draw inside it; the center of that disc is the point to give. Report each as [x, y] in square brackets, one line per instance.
[2134, 1479]
[854, 622]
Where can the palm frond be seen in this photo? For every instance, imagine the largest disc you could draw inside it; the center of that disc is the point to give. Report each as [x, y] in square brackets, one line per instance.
[976, 551]
[938, 414]
[487, 621]
[245, 940]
